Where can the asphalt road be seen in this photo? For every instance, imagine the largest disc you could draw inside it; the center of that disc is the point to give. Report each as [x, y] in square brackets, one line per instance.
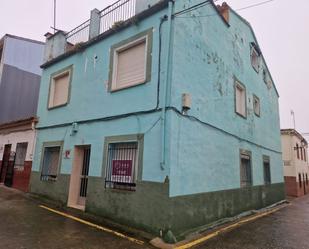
[23, 224]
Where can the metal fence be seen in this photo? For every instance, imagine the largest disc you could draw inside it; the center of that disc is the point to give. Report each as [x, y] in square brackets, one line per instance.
[121, 166]
[121, 10]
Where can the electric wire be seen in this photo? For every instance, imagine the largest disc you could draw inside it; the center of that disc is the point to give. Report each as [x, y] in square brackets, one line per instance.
[239, 9]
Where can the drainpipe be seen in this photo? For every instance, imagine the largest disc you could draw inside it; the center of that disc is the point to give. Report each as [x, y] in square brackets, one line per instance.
[166, 80]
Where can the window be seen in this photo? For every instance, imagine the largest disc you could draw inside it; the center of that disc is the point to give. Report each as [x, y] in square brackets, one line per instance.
[266, 166]
[305, 157]
[51, 161]
[297, 150]
[299, 180]
[21, 151]
[245, 169]
[123, 159]
[306, 179]
[131, 62]
[240, 99]
[255, 57]
[59, 88]
[256, 106]
[301, 153]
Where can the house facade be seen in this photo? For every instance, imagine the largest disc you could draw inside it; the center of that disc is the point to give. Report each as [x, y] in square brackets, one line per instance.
[20, 76]
[295, 159]
[165, 121]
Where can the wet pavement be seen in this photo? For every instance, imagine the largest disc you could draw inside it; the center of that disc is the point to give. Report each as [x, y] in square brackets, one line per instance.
[23, 224]
[287, 228]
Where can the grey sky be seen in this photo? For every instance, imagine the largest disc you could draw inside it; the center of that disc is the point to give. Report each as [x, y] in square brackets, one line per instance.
[281, 28]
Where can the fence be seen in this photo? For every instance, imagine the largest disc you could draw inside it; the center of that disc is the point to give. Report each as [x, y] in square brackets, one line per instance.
[121, 10]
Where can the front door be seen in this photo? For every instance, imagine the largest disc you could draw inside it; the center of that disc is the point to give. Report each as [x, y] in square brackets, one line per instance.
[79, 177]
[8, 181]
[5, 162]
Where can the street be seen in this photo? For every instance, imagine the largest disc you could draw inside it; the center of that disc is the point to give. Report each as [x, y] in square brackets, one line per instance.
[25, 225]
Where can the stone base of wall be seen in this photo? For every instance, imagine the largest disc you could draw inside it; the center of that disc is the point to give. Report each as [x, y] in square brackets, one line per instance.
[151, 209]
[21, 177]
[293, 188]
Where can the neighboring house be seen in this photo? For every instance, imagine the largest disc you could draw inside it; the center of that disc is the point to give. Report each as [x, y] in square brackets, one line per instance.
[20, 76]
[295, 159]
[168, 120]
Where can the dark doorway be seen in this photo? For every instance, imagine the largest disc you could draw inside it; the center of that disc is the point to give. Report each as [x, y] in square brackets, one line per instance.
[5, 162]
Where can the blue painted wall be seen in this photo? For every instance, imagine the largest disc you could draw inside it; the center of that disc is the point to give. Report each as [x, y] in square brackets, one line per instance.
[90, 99]
[207, 55]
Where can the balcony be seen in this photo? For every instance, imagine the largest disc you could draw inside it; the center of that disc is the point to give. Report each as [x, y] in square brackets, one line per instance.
[100, 22]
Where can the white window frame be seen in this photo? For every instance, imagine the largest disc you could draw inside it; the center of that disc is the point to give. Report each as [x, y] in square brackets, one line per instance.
[239, 85]
[129, 45]
[51, 93]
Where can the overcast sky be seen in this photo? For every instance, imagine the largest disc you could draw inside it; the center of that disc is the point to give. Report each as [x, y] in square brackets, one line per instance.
[281, 27]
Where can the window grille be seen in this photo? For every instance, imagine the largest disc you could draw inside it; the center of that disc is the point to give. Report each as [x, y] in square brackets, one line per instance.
[50, 163]
[121, 166]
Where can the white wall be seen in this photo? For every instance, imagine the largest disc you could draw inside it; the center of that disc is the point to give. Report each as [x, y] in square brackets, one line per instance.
[19, 137]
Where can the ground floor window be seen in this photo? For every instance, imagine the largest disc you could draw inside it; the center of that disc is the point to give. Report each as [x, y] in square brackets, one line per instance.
[122, 163]
[266, 166]
[245, 169]
[21, 151]
[51, 161]
[299, 180]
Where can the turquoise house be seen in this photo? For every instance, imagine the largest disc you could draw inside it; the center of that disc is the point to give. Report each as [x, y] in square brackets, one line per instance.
[164, 116]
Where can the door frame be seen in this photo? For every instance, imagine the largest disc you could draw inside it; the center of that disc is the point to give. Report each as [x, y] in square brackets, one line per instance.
[8, 160]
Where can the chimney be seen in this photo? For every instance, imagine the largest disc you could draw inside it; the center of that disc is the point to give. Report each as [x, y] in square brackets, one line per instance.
[224, 10]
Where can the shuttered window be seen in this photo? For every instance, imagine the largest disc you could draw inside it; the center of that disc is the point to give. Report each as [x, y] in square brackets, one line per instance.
[240, 99]
[131, 66]
[59, 89]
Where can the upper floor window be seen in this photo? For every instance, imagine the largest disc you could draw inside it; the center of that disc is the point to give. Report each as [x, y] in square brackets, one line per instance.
[256, 106]
[297, 150]
[59, 88]
[131, 62]
[240, 99]
[255, 57]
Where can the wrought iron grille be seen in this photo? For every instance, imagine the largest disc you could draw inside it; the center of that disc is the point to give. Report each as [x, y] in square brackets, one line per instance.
[84, 175]
[121, 166]
[50, 163]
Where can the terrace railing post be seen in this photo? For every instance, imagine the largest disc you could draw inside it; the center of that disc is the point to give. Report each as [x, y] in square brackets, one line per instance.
[94, 29]
[55, 45]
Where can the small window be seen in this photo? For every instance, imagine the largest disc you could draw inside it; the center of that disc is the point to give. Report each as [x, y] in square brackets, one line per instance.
[301, 153]
[21, 151]
[131, 61]
[245, 169]
[266, 166]
[255, 57]
[256, 106]
[122, 164]
[50, 162]
[59, 89]
[240, 99]
[297, 150]
[299, 180]
[305, 156]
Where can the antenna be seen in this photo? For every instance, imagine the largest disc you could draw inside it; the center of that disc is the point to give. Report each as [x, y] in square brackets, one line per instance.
[54, 28]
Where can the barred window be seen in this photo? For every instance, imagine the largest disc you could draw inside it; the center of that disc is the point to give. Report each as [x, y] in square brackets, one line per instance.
[50, 165]
[21, 150]
[245, 170]
[266, 166]
[121, 165]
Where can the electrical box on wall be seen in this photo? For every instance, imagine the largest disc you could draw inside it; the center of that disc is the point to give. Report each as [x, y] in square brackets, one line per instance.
[186, 102]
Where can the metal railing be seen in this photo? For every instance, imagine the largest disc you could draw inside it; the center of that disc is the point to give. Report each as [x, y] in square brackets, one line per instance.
[79, 34]
[121, 10]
